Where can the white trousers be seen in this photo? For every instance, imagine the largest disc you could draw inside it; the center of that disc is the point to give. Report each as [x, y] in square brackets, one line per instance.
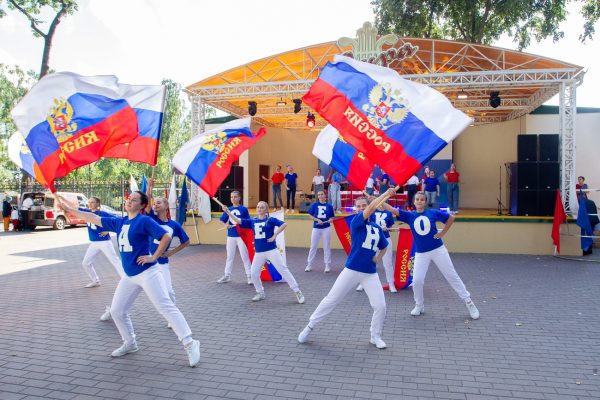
[347, 281]
[94, 249]
[165, 269]
[232, 243]
[388, 263]
[152, 282]
[315, 237]
[442, 260]
[277, 260]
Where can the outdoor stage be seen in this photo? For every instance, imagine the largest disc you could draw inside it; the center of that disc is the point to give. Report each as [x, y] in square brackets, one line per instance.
[474, 231]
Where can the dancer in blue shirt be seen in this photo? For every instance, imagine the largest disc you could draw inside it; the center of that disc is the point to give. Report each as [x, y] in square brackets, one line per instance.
[385, 220]
[321, 212]
[265, 231]
[367, 248]
[429, 247]
[233, 238]
[134, 233]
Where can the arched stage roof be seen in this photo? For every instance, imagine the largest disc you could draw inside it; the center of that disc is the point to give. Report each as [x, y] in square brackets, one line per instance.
[524, 81]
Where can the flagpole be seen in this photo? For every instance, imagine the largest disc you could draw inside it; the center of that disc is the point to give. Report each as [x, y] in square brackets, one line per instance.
[218, 202]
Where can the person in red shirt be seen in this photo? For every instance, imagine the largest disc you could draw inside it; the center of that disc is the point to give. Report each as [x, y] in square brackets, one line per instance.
[277, 180]
[452, 178]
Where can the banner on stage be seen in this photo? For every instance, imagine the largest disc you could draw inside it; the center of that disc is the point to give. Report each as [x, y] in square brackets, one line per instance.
[396, 123]
[69, 120]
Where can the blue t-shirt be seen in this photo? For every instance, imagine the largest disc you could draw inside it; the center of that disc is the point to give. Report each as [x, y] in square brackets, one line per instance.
[423, 227]
[133, 239]
[323, 212]
[241, 212]
[384, 219]
[367, 237]
[291, 179]
[173, 228]
[431, 184]
[337, 178]
[262, 229]
[93, 230]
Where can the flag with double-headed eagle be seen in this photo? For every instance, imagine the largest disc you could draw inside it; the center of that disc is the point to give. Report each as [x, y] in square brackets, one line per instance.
[207, 158]
[334, 151]
[69, 120]
[397, 123]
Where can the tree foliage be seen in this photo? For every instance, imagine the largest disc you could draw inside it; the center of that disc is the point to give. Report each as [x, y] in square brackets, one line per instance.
[481, 21]
[32, 9]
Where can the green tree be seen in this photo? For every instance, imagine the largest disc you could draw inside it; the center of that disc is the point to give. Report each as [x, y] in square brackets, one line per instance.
[481, 21]
[32, 10]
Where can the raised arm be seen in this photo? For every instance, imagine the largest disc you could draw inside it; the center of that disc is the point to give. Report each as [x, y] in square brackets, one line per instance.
[231, 215]
[86, 216]
[265, 178]
[378, 201]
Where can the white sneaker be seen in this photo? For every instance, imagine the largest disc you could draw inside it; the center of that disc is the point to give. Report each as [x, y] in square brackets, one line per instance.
[303, 336]
[300, 297]
[393, 288]
[106, 315]
[259, 297]
[327, 269]
[308, 268]
[92, 284]
[473, 311]
[224, 279]
[193, 352]
[359, 288]
[418, 310]
[378, 342]
[287, 211]
[125, 349]
[249, 280]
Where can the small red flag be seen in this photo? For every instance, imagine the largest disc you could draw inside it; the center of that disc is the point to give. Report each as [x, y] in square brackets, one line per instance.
[559, 218]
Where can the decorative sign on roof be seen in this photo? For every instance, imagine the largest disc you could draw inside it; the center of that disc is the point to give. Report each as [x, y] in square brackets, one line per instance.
[367, 47]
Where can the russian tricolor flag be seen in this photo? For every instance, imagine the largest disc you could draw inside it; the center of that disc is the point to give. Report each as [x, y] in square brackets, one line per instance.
[69, 120]
[208, 157]
[397, 123]
[19, 153]
[341, 156]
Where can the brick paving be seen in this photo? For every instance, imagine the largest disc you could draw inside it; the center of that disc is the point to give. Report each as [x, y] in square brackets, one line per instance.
[538, 336]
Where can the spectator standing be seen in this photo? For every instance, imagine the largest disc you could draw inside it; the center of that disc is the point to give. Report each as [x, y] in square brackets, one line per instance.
[318, 182]
[370, 187]
[384, 182]
[411, 189]
[452, 180]
[14, 216]
[335, 196]
[581, 185]
[6, 210]
[432, 188]
[277, 180]
[291, 179]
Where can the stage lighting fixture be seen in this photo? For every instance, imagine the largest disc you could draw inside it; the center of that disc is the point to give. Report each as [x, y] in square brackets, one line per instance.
[297, 105]
[252, 108]
[463, 95]
[495, 99]
[310, 120]
[281, 103]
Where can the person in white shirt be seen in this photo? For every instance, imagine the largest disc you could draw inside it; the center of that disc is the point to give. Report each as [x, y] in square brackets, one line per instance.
[370, 187]
[411, 189]
[27, 204]
[25, 211]
[318, 182]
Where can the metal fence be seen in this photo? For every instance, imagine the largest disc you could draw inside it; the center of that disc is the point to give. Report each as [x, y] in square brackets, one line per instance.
[110, 193]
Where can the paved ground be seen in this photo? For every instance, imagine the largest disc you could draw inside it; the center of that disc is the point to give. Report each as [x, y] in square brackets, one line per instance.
[538, 336]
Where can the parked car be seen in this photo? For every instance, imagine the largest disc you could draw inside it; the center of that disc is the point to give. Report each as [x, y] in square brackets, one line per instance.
[111, 211]
[45, 210]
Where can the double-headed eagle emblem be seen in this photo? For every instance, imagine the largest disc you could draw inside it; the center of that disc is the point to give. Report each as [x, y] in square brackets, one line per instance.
[59, 119]
[386, 106]
[215, 143]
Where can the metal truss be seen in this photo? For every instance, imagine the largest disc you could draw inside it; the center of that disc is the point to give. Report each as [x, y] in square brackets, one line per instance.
[567, 114]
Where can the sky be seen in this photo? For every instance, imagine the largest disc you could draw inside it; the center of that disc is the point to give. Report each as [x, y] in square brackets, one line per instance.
[144, 41]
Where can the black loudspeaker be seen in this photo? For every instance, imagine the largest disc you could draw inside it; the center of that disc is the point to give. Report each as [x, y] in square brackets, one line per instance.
[304, 207]
[235, 179]
[527, 202]
[527, 148]
[548, 147]
[549, 175]
[546, 200]
[527, 176]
